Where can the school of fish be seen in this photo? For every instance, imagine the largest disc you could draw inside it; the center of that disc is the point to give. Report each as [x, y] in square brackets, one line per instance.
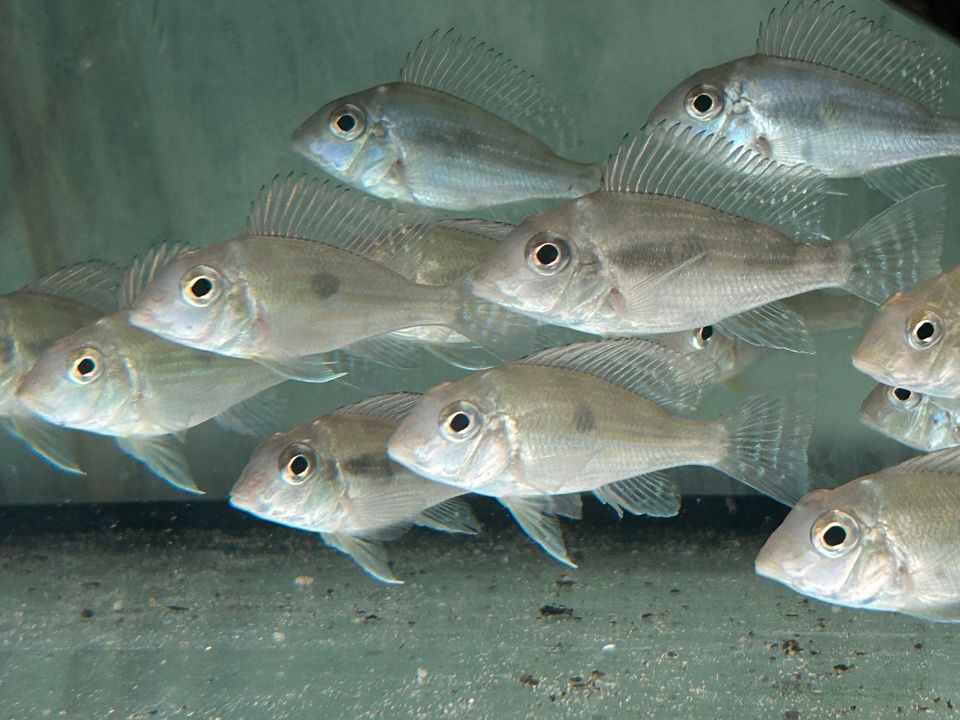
[580, 339]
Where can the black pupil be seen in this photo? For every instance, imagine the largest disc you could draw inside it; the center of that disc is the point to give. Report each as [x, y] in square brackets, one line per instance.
[702, 103]
[299, 464]
[201, 287]
[547, 254]
[924, 330]
[459, 422]
[706, 332]
[346, 122]
[835, 535]
[86, 366]
[902, 394]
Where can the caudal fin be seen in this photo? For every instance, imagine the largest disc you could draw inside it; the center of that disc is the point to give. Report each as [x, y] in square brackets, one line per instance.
[899, 247]
[768, 438]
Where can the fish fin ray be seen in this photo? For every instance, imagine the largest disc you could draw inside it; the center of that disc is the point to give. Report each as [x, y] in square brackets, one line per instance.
[506, 334]
[257, 416]
[390, 351]
[454, 516]
[93, 283]
[899, 247]
[675, 380]
[828, 34]
[319, 368]
[464, 356]
[768, 439]
[942, 461]
[143, 270]
[471, 70]
[649, 494]
[679, 161]
[393, 406]
[898, 182]
[368, 554]
[50, 442]
[164, 455]
[773, 325]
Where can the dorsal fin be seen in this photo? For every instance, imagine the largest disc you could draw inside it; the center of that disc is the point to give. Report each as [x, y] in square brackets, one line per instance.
[679, 161]
[943, 461]
[647, 368]
[829, 34]
[93, 283]
[473, 71]
[491, 229]
[393, 406]
[310, 209]
[144, 268]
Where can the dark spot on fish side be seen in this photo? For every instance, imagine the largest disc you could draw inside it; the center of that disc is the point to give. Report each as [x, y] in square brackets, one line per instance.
[366, 464]
[324, 285]
[583, 418]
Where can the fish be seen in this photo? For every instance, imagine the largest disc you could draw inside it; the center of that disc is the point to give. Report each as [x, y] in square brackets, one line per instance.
[690, 230]
[32, 318]
[458, 131]
[114, 379]
[913, 338]
[332, 476]
[831, 90]
[885, 541]
[284, 296]
[921, 421]
[601, 417]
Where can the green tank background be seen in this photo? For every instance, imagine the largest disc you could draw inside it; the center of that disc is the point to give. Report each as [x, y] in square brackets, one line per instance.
[127, 123]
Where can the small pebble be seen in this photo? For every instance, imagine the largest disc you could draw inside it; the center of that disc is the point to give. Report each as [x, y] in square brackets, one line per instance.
[608, 648]
[118, 606]
[279, 636]
[421, 675]
[303, 580]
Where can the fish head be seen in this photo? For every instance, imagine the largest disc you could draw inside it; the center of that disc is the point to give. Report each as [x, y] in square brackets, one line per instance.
[351, 140]
[292, 479]
[454, 435]
[548, 267]
[910, 417]
[199, 298]
[716, 101]
[833, 547]
[913, 340]
[82, 380]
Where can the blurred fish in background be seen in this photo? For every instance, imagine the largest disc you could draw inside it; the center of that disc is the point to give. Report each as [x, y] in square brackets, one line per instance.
[921, 421]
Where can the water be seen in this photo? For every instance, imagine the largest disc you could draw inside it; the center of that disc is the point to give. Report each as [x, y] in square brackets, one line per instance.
[128, 123]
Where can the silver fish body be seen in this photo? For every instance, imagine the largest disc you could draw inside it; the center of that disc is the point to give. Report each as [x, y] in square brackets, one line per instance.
[799, 112]
[418, 145]
[921, 421]
[913, 340]
[886, 541]
[114, 379]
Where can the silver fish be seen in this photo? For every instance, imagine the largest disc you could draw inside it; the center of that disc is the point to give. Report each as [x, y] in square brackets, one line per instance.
[912, 341]
[114, 379]
[830, 90]
[921, 421]
[667, 245]
[440, 137]
[284, 301]
[597, 417]
[32, 318]
[332, 476]
[886, 541]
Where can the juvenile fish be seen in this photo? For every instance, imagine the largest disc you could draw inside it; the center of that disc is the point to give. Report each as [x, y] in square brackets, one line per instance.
[921, 421]
[332, 476]
[830, 90]
[597, 417]
[114, 379]
[913, 339]
[886, 541]
[274, 296]
[458, 131]
[690, 230]
[32, 318]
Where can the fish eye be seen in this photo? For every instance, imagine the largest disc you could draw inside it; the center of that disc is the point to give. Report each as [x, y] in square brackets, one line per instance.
[297, 464]
[924, 330]
[348, 122]
[459, 421]
[704, 102]
[700, 336]
[547, 254]
[200, 286]
[903, 398]
[85, 367]
[834, 533]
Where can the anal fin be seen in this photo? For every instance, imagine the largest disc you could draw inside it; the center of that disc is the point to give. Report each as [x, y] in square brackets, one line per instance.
[256, 417]
[454, 515]
[318, 368]
[773, 325]
[651, 494]
[164, 455]
[901, 181]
